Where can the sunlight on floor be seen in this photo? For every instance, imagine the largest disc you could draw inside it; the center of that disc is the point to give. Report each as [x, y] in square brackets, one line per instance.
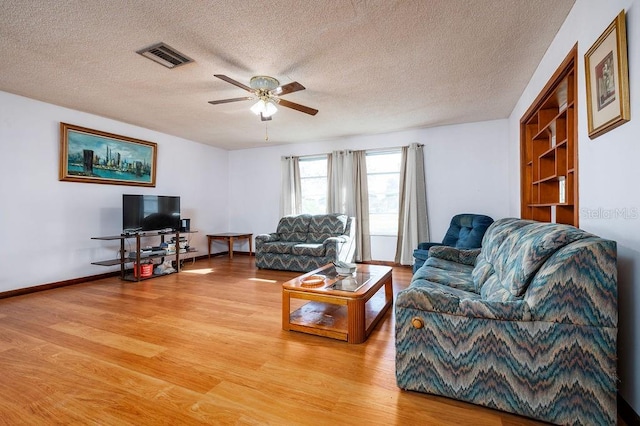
[203, 271]
[262, 280]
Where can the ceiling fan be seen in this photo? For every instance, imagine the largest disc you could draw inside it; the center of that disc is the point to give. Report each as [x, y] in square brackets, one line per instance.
[267, 91]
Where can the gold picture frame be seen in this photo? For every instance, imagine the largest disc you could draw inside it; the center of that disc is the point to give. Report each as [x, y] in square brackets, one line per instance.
[607, 79]
[92, 156]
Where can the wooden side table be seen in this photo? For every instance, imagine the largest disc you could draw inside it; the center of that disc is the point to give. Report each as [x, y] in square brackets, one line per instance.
[229, 237]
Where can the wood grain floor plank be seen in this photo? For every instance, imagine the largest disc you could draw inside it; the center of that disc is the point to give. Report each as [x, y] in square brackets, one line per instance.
[113, 340]
[86, 386]
[175, 371]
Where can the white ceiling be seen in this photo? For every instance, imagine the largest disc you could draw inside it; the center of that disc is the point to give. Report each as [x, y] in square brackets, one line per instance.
[369, 66]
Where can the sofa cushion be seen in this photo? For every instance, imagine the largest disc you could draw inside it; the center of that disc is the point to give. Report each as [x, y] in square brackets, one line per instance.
[429, 296]
[454, 277]
[492, 241]
[438, 297]
[515, 253]
[323, 226]
[279, 247]
[294, 228]
[446, 265]
[481, 273]
[308, 250]
[498, 232]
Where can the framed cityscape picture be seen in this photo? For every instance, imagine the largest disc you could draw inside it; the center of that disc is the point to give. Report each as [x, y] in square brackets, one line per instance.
[607, 78]
[93, 156]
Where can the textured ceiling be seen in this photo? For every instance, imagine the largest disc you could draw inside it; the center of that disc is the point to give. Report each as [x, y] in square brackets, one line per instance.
[369, 66]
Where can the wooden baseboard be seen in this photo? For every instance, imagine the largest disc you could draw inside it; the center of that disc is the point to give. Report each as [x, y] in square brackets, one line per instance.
[34, 289]
[49, 286]
[226, 253]
[196, 258]
[627, 413]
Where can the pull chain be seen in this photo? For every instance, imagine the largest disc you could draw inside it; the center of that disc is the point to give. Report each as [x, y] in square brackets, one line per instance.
[266, 131]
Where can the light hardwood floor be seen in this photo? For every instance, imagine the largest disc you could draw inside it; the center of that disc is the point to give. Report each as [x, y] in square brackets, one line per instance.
[201, 347]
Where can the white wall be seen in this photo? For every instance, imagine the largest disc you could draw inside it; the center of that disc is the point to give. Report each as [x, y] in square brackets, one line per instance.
[46, 225]
[466, 171]
[608, 169]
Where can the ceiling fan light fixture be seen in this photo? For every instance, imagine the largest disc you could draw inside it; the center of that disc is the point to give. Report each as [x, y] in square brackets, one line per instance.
[263, 82]
[270, 109]
[266, 108]
[267, 91]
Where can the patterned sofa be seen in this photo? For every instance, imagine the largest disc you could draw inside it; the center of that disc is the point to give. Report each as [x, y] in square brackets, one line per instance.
[526, 324]
[306, 242]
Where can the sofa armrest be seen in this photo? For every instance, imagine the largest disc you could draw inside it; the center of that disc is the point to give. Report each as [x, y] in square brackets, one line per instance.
[266, 238]
[336, 240]
[577, 285]
[463, 256]
[333, 246]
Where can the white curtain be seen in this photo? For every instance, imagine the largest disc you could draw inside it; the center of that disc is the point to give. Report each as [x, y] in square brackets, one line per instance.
[348, 193]
[340, 183]
[412, 220]
[360, 201]
[290, 197]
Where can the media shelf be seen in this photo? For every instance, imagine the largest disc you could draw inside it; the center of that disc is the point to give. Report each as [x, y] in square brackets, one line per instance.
[129, 274]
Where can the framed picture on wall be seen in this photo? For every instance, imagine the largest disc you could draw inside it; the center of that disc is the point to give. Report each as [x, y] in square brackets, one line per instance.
[93, 156]
[607, 78]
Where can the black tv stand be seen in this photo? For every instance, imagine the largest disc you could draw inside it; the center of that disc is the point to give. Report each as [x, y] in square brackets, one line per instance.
[127, 271]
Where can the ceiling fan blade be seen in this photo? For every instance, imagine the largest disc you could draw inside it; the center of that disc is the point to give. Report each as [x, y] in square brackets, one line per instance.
[297, 107]
[224, 101]
[288, 88]
[263, 118]
[232, 81]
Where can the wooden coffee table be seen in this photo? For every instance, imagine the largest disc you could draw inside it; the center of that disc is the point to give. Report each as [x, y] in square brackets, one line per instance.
[335, 313]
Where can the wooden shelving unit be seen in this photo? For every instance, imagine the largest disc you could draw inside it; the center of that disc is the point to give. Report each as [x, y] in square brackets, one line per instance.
[123, 260]
[549, 150]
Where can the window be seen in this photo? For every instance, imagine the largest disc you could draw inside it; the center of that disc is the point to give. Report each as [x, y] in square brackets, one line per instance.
[383, 179]
[313, 184]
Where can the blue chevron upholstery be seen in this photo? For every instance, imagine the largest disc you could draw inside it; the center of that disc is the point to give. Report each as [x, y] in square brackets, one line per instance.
[306, 242]
[530, 329]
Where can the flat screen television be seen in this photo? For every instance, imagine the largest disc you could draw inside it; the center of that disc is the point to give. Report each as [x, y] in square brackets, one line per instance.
[150, 213]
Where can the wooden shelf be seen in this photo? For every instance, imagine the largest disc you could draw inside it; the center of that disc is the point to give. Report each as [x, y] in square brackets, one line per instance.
[548, 146]
[547, 179]
[333, 318]
[550, 204]
[112, 262]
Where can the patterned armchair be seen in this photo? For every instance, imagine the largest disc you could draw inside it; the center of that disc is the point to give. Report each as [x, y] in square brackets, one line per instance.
[527, 324]
[465, 232]
[306, 242]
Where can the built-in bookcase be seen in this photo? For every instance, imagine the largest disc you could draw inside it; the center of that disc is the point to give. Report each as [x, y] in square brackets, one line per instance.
[549, 150]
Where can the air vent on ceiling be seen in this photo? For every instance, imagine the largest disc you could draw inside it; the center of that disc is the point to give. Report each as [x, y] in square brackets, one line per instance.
[165, 55]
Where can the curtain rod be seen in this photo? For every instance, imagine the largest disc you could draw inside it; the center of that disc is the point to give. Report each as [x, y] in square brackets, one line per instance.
[342, 150]
[391, 148]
